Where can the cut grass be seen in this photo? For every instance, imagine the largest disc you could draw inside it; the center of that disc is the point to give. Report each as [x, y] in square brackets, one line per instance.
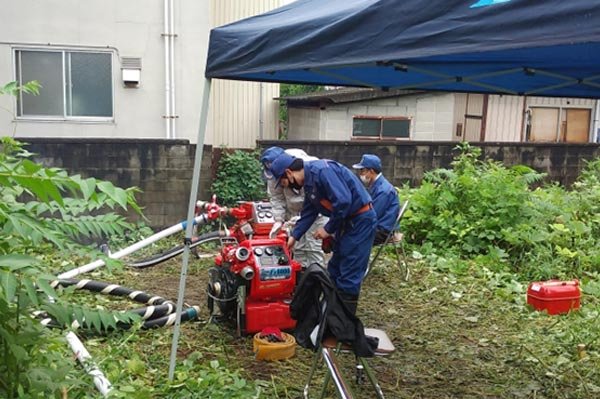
[457, 336]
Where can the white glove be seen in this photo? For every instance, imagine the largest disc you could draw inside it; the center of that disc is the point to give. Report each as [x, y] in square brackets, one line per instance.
[293, 220]
[275, 229]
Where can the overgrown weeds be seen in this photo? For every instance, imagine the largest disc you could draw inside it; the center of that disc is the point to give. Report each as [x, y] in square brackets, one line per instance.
[486, 211]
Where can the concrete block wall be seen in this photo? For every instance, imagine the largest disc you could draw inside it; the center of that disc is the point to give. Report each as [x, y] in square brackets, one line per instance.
[407, 162]
[162, 169]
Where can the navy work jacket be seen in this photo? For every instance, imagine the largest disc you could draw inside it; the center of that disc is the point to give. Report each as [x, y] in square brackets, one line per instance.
[332, 190]
[385, 203]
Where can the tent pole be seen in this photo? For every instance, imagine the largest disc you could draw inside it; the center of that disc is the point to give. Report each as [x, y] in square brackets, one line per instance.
[190, 218]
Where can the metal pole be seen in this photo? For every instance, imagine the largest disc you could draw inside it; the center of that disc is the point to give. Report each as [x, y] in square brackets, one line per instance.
[190, 217]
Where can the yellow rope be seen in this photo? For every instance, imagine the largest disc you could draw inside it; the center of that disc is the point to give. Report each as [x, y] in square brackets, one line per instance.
[270, 351]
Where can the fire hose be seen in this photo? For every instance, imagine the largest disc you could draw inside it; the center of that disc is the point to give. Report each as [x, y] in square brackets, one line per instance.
[101, 382]
[201, 219]
[112, 289]
[178, 250]
[167, 320]
[266, 349]
[158, 314]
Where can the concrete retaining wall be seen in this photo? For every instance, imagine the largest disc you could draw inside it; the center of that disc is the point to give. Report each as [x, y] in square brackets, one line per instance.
[408, 161]
[162, 169]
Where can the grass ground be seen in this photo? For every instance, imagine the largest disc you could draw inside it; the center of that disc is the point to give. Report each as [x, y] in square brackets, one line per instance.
[457, 335]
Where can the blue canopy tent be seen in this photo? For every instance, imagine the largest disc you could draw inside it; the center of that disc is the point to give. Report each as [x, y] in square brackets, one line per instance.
[520, 47]
[549, 48]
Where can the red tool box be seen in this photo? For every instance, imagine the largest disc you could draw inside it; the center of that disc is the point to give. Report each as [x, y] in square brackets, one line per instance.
[554, 296]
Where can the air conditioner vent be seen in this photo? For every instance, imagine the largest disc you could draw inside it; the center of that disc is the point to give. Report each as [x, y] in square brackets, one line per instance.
[131, 63]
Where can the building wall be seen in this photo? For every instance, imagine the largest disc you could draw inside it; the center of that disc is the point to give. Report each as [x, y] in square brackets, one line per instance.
[434, 117]
[431, 117]
[133, 28]
[304, 123]
[505, 114]
[504, 118]
[241, 112]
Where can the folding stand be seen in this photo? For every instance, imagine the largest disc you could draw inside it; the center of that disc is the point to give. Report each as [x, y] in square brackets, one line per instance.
[330, 348]
[395, 238]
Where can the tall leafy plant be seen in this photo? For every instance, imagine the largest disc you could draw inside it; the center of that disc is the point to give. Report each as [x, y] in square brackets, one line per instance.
[482, 209]
[42, 212]
[239, 178]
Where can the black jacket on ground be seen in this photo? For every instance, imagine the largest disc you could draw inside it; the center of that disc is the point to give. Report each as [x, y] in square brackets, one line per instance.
[314, 289]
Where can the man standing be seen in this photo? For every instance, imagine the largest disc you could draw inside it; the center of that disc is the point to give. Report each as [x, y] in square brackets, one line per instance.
[384, 195]
[333, 190]
[287, 204]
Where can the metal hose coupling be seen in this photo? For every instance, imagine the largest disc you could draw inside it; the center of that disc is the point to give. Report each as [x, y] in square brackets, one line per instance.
[247, 272]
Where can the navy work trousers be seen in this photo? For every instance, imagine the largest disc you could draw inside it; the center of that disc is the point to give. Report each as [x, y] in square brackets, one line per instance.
[351, 250]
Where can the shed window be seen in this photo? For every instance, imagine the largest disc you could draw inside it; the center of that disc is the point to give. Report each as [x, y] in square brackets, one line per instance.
[381, 127]
[75, 84]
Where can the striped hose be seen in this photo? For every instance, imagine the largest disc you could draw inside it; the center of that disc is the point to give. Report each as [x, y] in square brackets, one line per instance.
[156, 321]
[154, 312]
[166, 321]
[112, 289]
[178, 250]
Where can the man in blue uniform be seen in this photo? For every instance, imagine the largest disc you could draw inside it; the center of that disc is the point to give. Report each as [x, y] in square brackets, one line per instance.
[384, 195]
[333, 190]
[287, 204]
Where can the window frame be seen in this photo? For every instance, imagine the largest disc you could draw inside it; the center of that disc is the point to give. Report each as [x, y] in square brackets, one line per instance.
[381, 119]
[64, 51]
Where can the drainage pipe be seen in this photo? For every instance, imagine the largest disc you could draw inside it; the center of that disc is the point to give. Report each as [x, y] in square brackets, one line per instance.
[201, 219]
[100, 380]
[167, 70]
[171, 61]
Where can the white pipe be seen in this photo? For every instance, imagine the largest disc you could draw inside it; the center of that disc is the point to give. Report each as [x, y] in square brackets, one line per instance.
[172, 68]
[167, 70]
[132, 248]
[101, 382]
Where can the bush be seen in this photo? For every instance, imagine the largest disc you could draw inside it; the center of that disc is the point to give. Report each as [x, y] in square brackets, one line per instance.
[239, 178]
[486, 211]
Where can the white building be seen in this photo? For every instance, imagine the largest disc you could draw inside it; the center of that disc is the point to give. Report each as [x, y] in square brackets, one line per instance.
[127, 69]
[367, 114]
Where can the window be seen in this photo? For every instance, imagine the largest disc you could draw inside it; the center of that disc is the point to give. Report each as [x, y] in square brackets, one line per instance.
[381, 127]
[75, 84]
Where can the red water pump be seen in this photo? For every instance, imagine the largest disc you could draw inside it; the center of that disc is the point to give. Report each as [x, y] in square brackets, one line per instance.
[254, 276]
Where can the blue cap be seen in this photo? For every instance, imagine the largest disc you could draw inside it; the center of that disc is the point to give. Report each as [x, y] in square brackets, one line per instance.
[369, 161]
[280, 164]
[270, 154]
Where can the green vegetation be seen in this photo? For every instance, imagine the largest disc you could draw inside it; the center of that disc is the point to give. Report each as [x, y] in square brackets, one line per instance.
[484, 211]
[476, 235]
[43, 212]
[238, 178]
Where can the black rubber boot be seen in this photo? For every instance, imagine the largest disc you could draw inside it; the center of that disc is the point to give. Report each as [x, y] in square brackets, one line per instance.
[350, 300]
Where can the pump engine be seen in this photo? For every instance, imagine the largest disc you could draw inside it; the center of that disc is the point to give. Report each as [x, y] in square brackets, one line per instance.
[254, 276]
